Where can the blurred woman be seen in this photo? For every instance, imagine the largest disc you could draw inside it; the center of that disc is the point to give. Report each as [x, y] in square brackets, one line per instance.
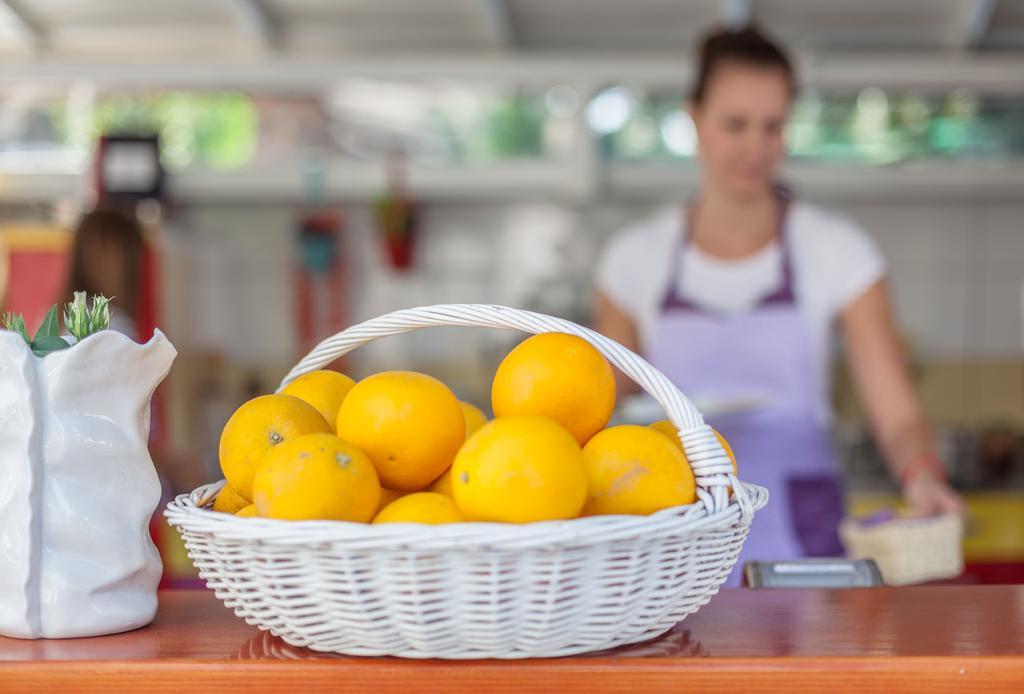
[106, 258]
[736, 296]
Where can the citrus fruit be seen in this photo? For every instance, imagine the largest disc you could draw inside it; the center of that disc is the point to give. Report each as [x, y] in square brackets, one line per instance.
[475, 419]
[229, 501]
[324, 390]
[387, 496]
[247, 511]
[520, 469]
[257, 426]
[316, 477]
[635, 470]
[421, 507]
[558, 376]
[443, 484]
[474, 416]
[669, 429]
[410, 425]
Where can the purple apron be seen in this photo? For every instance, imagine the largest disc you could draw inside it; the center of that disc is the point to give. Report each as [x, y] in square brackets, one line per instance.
[783, 446]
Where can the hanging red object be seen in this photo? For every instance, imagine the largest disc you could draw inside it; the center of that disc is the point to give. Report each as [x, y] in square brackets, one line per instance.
[398, 219]
[399, 250]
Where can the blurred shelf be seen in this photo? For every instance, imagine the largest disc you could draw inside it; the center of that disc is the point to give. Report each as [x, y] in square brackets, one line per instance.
[931, 180]
[27, 188]
[365, 181]
[553, 180]
[283, 182]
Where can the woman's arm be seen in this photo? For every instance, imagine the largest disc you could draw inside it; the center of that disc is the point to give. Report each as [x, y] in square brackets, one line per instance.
[612, 322]
[893, 408]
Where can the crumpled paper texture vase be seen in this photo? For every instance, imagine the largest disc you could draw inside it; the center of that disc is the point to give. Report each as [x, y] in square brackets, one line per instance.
[78, 486]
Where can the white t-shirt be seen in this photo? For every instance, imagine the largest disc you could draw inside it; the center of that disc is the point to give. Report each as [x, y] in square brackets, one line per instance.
[834, 263]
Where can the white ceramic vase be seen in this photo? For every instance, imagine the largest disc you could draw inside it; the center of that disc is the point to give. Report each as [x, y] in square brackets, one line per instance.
[78, 486]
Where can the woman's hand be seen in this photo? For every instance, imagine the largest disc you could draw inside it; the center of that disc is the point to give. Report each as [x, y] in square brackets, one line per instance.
[893, 408]
[926, 495]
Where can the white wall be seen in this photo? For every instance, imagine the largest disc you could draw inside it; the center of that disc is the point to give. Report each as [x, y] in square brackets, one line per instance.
[232, 269]
[957, 270]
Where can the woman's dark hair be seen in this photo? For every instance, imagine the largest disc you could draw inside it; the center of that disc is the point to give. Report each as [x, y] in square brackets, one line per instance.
[106, 258]
[747, 46]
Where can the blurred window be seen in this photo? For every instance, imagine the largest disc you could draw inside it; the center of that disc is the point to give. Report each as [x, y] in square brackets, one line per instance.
[449, 124]
[56, 132]
[443, 124]
[870, 127]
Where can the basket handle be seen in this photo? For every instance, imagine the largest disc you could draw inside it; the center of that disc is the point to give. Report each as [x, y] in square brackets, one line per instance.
[711, 465]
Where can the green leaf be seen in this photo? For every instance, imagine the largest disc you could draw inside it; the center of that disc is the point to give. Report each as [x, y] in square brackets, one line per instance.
[16, 324]
[50, 327]
[48, 343]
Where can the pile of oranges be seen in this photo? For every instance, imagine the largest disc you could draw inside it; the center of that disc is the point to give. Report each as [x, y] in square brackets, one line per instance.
[399, 446]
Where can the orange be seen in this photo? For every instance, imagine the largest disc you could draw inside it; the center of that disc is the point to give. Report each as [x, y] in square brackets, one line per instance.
[229, 501]
[247, 511]
[559, 376]
[669, 429]
[422, 507]
[324, 390]
[387, 496]
[256, 427]
[474, 416]
[475, 419]
[520, 469]
[316, 477]
[410, 425]
[635, 470]
[443, 484]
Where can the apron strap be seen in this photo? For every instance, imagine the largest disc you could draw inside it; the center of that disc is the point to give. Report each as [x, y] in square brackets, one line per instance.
[783, 294]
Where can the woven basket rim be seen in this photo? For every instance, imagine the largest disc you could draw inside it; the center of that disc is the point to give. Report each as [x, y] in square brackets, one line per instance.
[189, 511]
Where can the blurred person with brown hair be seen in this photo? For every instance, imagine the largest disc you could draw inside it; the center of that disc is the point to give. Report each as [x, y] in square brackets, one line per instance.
[106, 258]
[736, 297]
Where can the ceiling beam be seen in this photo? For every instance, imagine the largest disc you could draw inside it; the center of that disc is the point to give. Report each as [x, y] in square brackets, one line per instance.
[497, 22]
[736, 14]
[971, 25]
[24, 26]
[983, 72]
[254, 19]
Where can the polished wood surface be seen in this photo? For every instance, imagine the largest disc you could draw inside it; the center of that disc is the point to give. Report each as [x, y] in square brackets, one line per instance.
[936, 639]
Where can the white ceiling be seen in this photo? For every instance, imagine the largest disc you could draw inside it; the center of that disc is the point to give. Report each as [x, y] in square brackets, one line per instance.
[218, 29]
[308, 45]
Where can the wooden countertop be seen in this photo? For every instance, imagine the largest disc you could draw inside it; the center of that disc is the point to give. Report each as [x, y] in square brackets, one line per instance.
[935, 639]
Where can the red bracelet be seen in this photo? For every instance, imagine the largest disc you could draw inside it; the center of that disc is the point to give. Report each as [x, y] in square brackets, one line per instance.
[922, 463]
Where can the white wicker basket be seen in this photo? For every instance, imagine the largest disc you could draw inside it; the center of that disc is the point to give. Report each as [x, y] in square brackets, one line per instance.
[479, 590]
